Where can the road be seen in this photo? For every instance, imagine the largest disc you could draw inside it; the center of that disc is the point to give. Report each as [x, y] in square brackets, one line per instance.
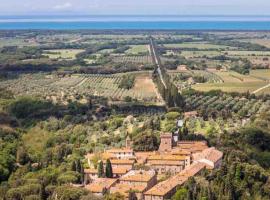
[156, 60]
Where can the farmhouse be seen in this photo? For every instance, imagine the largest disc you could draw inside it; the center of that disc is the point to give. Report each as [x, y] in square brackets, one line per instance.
[101, 185]
[211, 157]
[125, 153]
[166, 189]
[137, 181]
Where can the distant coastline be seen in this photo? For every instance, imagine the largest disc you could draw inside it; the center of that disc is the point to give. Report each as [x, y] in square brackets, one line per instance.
[131, 22]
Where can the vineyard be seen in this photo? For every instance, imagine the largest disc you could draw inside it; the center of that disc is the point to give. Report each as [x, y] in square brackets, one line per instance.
[133, 59]
[78, 87]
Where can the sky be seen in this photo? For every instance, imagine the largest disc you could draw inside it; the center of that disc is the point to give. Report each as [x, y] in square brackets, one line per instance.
[135, 7]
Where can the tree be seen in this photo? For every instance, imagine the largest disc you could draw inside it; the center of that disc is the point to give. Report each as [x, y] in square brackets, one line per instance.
[100, 169]
[22, 156]
[145, 142]
[181, 194]
[108, 172]
[115, 196]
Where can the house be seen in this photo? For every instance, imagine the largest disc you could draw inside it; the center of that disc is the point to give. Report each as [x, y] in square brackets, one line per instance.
[166, 189]
[190, 114]
[135, 181]
[124, 153]
[101, 185]
[92, 174]
[162, 163]
[211, 157]
[124, 163]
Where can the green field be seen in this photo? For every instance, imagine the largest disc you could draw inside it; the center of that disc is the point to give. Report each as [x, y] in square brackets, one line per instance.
[137, 49]
[229, 87]
[261, 73]
[233, 82]
[68, 54]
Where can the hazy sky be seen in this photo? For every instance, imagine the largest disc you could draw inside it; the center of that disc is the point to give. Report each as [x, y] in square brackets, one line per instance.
[139, 7]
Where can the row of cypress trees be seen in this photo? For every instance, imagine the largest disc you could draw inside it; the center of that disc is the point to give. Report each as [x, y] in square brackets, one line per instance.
[108, 173]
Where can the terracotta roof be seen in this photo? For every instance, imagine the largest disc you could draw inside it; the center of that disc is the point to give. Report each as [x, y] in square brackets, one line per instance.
[166, 135]
[180, 152]
[144, 153]
[120, 170]
[122, 161]
[100, 184]
[138, 176]
[193, 146]
[125, 188]
[166, 157]
[210, 154]
[164, 187]
[124, 150]
[165, 162]
[191, 113]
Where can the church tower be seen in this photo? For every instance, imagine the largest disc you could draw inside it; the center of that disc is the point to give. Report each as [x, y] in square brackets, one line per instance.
[128, 143]
[166, 140]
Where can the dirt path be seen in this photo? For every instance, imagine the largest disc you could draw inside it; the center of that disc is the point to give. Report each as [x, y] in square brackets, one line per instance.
[82, 82]
[260, 89]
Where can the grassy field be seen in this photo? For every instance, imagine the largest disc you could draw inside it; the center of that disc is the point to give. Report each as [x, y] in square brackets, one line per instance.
[68, 54]
[234, 77]
[191, 54]
[263, 42]
[233, 82]
[261, 73]
[229, 87]
[136, 49]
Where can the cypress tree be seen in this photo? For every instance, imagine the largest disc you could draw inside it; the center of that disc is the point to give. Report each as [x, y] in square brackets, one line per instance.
[42, 191]
[109, 173]
[73, 166]
[100, 169]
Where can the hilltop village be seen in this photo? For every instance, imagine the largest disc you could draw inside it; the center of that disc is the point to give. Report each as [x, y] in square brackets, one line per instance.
[136, 174]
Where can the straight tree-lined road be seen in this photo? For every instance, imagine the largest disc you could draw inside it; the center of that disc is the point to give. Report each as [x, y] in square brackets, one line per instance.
[156, 59]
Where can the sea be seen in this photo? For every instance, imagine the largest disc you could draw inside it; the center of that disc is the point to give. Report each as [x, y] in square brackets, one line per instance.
[128, 22]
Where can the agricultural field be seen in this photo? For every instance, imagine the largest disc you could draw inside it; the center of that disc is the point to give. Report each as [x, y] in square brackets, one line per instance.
[185, 79]
[194, 54]
[78, 87]
[197, 45]
[66, 54]
[234, 82]
[20, 42]
[237, 107]
[138, 49]
[247, 53]
[261, 73]
[264, 42]
[133, 59]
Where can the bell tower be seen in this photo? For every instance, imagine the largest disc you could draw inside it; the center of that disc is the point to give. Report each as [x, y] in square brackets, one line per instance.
[165, 142]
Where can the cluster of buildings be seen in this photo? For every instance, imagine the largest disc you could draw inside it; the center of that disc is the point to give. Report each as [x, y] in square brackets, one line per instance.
[135, 174]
